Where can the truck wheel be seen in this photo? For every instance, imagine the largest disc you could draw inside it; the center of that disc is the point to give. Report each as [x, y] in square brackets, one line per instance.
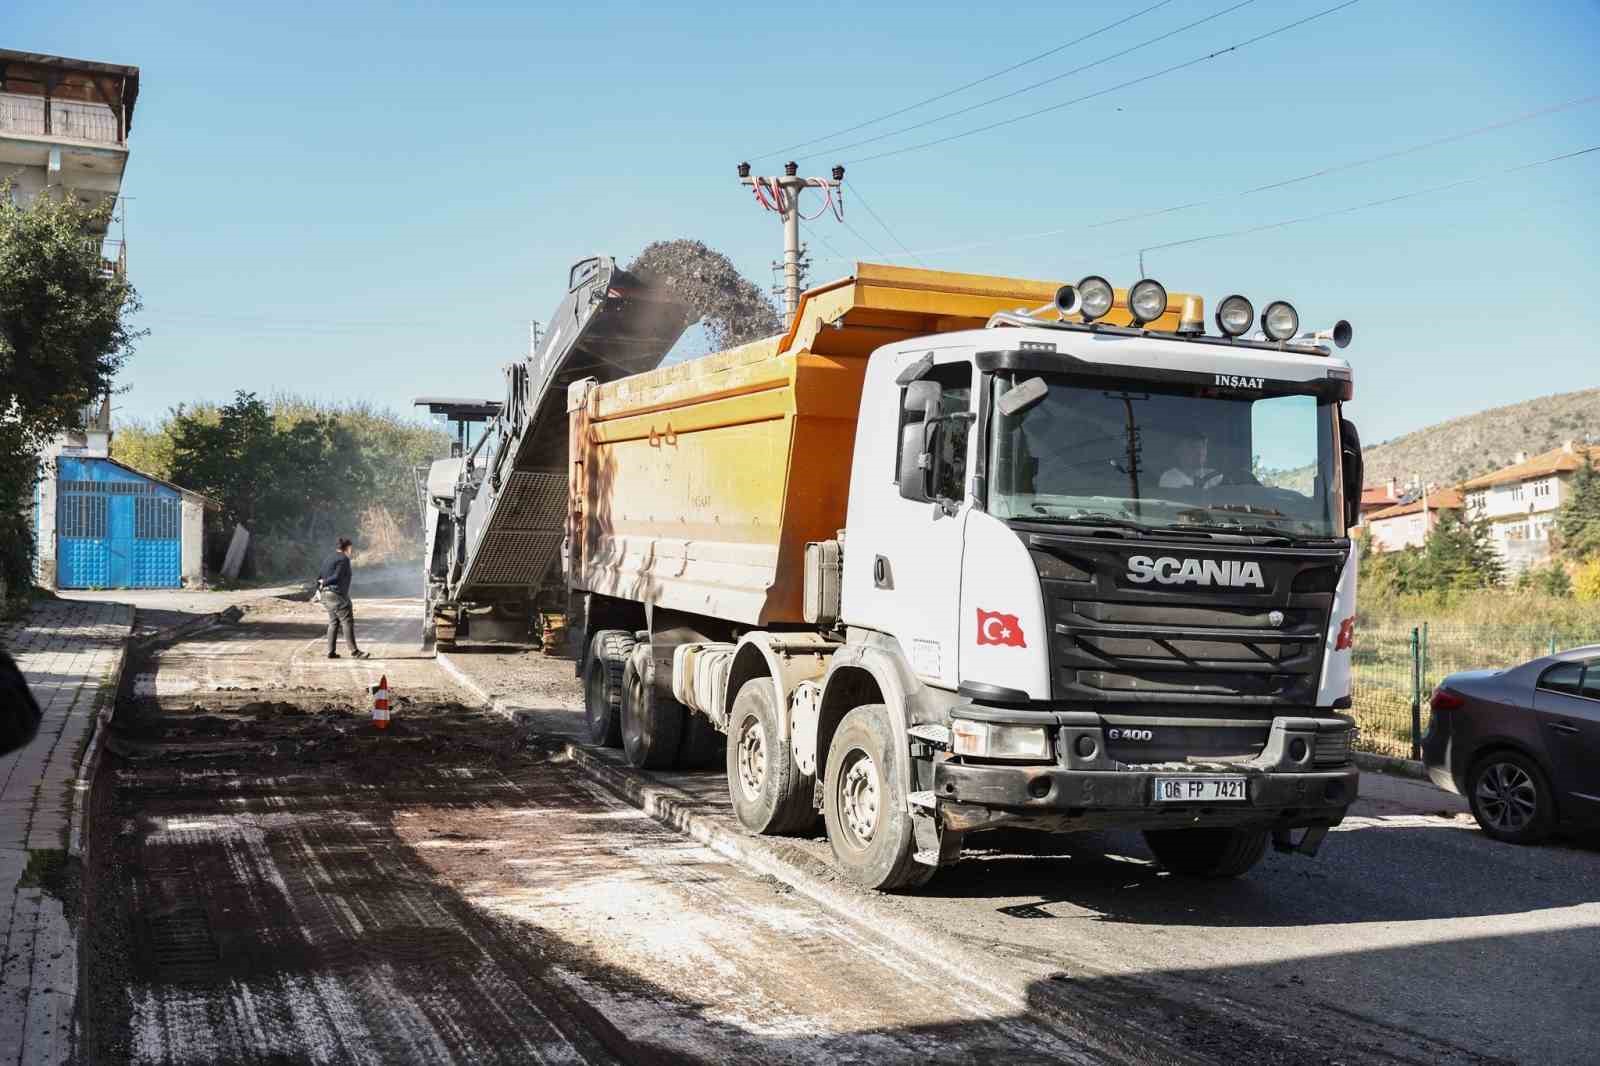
[1208, 852]
[869, 827]
[770, 794]
[702, 747]
[602, 689]
[652, 724]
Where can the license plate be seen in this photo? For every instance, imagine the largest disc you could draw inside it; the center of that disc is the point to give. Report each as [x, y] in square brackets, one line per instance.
[1201, 789]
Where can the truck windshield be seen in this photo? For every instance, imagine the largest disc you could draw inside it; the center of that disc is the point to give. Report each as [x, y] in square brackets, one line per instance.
[1164, 455]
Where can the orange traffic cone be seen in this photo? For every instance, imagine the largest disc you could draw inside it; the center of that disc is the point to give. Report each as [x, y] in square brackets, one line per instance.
[380, 703]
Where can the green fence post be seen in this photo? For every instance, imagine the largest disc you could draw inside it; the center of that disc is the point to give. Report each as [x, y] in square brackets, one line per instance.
[1423, 655]
[1416, 693]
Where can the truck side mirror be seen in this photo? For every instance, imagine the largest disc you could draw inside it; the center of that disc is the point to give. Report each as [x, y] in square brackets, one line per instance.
[1354, 471]
[919, 429]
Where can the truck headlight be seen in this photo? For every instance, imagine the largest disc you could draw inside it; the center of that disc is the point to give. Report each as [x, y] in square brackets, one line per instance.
[990, 740]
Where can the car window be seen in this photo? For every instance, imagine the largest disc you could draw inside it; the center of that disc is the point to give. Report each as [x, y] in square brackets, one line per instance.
[1591, 679]
[1563, 677]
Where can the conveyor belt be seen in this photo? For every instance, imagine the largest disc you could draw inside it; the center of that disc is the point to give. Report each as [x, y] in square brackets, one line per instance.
[611, 324]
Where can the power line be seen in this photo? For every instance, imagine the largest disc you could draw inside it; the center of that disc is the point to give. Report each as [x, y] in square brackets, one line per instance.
[863, 201]
[1247, 42]
[1041, 84]
[1372, 203]
[963, 88]
[875, 249]
[1434, 142]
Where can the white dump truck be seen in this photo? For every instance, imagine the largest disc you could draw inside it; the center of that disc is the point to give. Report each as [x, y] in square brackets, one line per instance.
[961, 552]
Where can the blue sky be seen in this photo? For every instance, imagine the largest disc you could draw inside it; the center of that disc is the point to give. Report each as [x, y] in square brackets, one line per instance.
[371, 200]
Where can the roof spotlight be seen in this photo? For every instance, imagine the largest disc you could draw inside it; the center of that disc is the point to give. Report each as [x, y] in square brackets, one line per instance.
[1095, 297]
[1280, 320]
[1234, 316]
[1147, 301]
[744, 170]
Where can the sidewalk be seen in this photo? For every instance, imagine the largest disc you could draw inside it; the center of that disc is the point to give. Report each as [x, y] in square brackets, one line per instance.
[71, 653]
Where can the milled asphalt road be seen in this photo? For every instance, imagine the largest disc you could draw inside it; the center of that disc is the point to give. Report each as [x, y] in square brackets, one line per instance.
[1410, 938]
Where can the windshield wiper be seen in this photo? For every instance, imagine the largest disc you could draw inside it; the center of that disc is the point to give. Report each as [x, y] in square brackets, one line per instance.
[1091, 518]
[1237, 527]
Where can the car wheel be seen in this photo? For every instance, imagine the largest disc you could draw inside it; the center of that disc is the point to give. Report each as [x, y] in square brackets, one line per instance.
[1510, 798]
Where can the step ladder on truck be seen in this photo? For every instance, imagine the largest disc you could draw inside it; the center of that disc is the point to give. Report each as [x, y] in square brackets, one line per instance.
[959, 552]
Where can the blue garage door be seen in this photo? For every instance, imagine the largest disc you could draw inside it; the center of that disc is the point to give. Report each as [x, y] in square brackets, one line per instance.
[115, 529]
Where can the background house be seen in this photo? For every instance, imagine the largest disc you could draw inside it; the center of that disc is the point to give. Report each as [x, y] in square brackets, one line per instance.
[1407, 524]
[1520, 501]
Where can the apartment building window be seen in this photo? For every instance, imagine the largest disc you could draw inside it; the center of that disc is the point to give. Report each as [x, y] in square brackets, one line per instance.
[1479, 500]
[1542, 488]
[1516, 492]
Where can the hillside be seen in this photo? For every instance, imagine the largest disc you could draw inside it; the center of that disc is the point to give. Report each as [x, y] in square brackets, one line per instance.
[1463, 447]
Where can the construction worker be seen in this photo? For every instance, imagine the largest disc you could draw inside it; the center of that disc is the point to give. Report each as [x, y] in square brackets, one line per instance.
[333, 590]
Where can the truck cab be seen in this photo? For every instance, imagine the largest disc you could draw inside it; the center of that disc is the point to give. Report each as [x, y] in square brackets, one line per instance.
[1146, 540]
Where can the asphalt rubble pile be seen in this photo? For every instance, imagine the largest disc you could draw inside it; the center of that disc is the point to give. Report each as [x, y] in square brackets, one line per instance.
[732, 308]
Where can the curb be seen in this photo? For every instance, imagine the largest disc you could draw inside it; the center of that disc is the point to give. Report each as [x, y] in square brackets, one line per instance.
[1390, 764]
[90, 762]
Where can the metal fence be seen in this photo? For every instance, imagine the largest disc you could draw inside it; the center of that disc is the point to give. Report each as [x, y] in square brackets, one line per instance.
[1396, 667]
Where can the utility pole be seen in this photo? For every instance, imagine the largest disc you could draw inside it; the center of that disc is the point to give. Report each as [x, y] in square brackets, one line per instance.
[782, 196]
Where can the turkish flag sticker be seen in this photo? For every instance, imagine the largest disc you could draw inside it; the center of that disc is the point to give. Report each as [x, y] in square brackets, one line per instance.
[997, 628]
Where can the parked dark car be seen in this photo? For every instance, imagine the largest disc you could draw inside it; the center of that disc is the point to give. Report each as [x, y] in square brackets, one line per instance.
[1522, 745]
[19, 714]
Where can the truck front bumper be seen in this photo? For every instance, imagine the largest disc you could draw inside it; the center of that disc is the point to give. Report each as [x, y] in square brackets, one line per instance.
[1050, 797]
[1285, 787]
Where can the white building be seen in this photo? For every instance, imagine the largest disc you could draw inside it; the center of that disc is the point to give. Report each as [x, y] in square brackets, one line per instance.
[98, 523]
[1520, 501]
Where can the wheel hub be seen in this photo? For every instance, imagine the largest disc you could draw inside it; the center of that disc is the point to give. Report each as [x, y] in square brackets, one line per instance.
[1508, 797]
[752, 758]
[858, 798]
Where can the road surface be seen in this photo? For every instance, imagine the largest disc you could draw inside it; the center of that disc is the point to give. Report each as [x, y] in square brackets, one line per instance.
[282, 883]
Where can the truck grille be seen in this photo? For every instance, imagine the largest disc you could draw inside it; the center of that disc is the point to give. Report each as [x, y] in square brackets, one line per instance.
[1117, 641]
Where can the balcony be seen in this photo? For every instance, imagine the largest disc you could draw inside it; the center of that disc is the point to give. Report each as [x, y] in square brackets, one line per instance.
[65, 120]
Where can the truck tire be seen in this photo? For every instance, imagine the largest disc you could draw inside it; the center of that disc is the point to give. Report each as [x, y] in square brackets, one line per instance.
[770, 794]
[869, 825]
[702, 747]
[602, 687]
[652, 724]
[1207, 852]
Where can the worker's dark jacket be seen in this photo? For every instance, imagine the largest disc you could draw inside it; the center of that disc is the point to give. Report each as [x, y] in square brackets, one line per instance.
[336, 574]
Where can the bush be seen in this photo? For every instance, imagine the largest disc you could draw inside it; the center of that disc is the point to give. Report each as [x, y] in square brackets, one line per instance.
[1586, 583]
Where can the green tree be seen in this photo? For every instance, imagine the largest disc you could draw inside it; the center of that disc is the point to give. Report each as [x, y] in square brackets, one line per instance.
[64, 334]
[1551, 579]
[1577, 527]
[1459, 555]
